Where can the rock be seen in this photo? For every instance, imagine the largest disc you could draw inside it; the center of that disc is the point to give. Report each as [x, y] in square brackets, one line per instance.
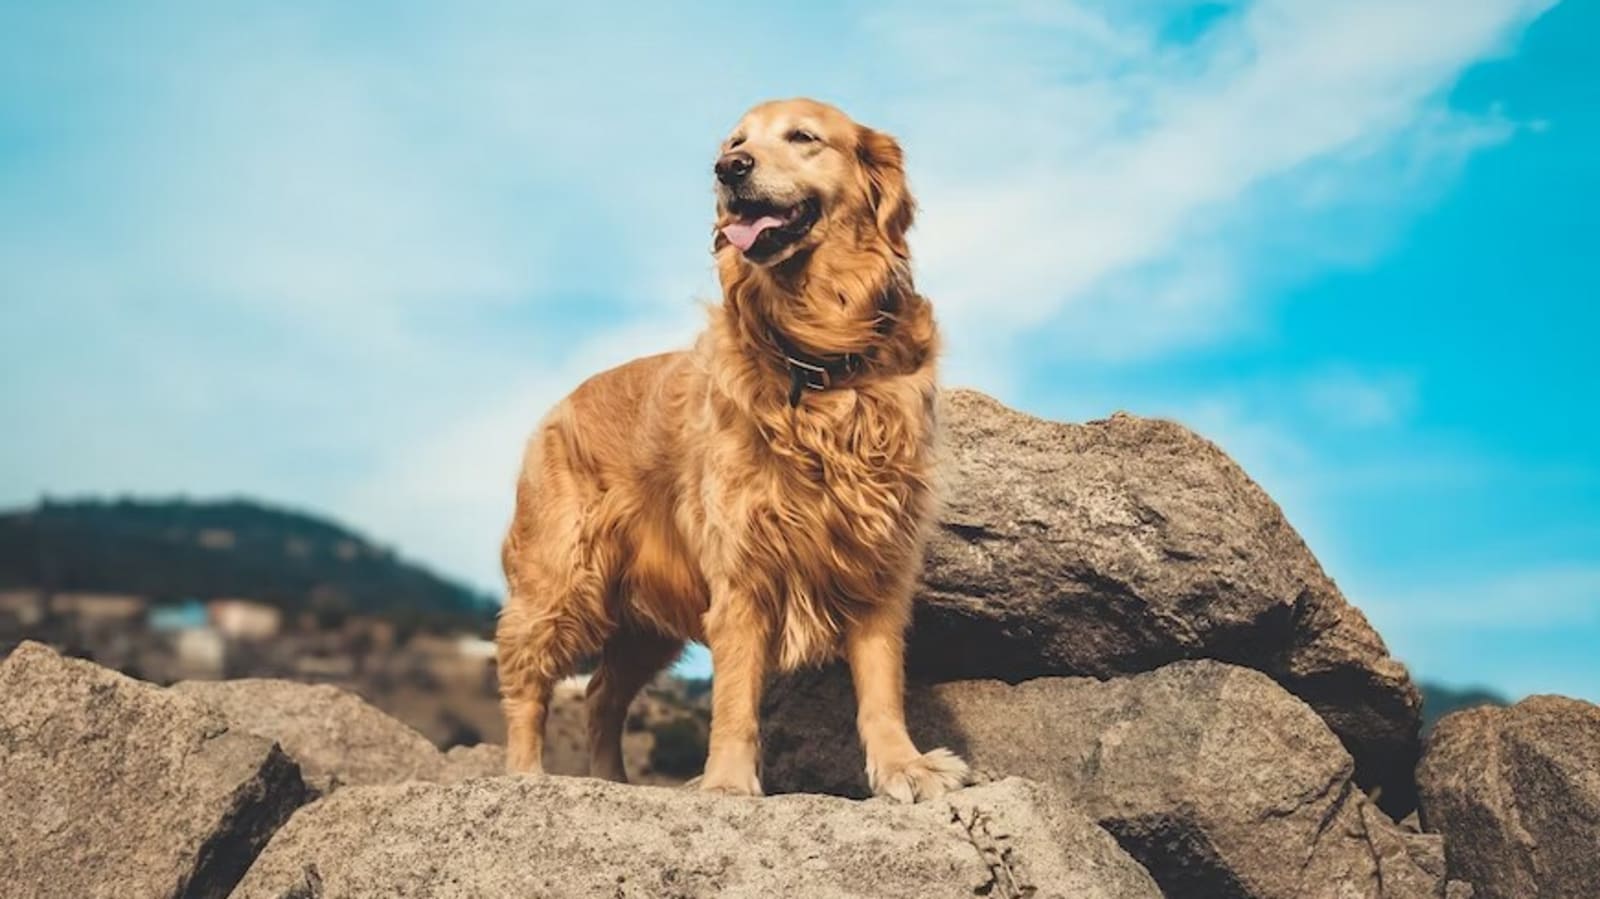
[557, 836]
[1427, 850]
[1121, 545]
[335, 736]
[1516, 793]
[1212, 776]
[466, 762]
[114, 788]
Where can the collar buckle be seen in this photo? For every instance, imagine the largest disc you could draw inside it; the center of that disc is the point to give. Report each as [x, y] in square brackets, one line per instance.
[813, 375]
[814, 372]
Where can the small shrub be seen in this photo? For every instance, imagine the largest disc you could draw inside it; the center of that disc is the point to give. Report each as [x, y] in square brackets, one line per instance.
[680, 748]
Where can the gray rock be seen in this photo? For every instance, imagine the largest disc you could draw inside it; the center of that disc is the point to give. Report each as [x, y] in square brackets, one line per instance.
[337, 737]
[115, 788]
[1212, 776]
[466, 762]
[1122, 545]
[1516, 793]
[555, 837]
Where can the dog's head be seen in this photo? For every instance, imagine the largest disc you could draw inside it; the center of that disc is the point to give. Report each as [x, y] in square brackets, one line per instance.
[795, 173]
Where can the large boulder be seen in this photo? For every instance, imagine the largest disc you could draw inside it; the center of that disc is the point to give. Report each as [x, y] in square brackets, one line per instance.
[1122, 545]
[1212, 776]
[556, 837]
[337, 737]
[110, 787]
[1516, 793]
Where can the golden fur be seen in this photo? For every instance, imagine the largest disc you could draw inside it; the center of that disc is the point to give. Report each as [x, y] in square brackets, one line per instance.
[681, 497]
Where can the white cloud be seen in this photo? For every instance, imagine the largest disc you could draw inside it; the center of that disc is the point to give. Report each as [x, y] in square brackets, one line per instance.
[1523, 630]
[1542, 598]
[451, 491]
[1087, 190]
[1349, 399]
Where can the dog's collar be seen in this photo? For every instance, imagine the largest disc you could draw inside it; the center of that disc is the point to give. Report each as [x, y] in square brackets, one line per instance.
[812, 372]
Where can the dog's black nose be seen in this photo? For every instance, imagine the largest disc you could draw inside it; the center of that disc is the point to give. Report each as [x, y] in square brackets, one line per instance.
[732, 167]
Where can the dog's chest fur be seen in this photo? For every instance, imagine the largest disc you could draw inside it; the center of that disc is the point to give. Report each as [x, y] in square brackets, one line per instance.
[821, 510]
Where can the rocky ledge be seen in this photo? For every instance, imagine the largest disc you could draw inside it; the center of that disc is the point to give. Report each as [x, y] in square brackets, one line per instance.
[1162, 692]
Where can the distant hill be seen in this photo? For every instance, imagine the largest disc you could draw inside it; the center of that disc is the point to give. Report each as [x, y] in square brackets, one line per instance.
[1439, 701]
[178, 549]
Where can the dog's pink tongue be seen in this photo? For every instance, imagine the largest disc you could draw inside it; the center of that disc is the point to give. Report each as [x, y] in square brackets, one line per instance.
[743, 234]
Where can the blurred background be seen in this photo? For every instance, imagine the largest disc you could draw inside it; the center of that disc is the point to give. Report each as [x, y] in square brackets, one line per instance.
[284, 286]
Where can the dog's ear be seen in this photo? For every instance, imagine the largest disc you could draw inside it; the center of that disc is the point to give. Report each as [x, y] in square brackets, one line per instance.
[883, 164]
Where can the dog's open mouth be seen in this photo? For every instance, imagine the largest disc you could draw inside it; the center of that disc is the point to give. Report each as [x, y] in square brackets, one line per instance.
[759, 228]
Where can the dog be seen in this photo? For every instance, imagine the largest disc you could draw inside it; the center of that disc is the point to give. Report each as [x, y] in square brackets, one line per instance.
[767, 492]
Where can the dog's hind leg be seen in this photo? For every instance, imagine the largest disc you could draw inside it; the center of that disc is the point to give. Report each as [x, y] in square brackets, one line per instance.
[560, 579]
[534, 651]
[629, 660]
[526, 709]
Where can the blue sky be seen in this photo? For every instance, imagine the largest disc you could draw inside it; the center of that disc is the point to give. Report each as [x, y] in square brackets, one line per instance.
[343, 258]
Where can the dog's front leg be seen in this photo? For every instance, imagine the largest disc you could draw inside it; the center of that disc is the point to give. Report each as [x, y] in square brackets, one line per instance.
[739, 636]
[875, 648]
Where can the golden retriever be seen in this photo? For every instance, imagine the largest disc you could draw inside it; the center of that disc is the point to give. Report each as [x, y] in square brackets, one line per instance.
[766, 492]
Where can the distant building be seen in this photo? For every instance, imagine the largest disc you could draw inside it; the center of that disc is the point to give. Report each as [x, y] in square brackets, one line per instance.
[434, 646]
[369, 632]
[26, 606]
[186, 615]
[216, 538]
[200, 654]
[244, 619]
[475, 648]
[98, 608]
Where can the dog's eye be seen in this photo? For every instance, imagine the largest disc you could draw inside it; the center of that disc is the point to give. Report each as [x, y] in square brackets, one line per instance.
[801, 136]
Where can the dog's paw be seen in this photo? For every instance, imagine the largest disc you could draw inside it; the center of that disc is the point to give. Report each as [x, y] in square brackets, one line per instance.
[727, 785]
[926, 776]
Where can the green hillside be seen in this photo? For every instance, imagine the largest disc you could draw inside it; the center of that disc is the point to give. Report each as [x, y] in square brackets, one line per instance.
[177, 549]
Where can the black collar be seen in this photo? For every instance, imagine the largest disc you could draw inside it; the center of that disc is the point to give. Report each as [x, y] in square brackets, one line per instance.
[810, 372]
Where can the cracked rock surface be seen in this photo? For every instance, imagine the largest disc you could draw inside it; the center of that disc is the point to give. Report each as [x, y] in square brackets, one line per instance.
[1211, 775]
[1118, 546]
[336, 737]
[555, 836]
[111, 788]
[1516, 793]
